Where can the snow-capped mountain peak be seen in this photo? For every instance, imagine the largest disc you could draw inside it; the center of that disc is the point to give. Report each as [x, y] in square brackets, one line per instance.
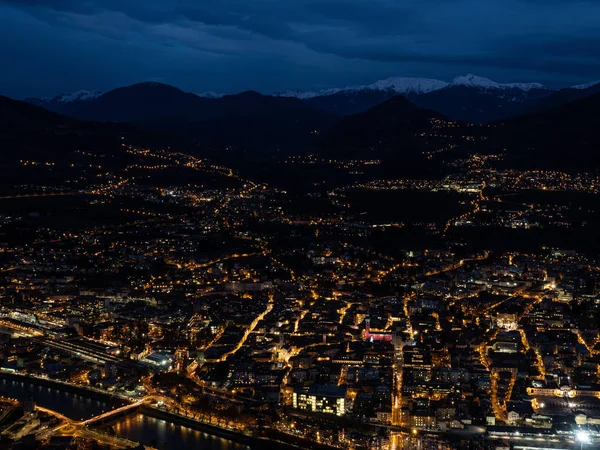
[400, 85]
[81, 95]
[471, 80]
[524, 86]
[211, 94]
[406, 85]
[311, 94]
[415, 86]
[586, 85]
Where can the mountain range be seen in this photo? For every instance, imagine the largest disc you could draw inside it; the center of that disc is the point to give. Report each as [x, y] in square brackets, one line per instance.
[468, 98]
[248, 119]
[404, 135]
[542, 127]
[562, 137]
[31, 132]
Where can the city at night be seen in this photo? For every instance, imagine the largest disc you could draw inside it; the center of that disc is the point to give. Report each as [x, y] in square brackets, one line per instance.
[266, 224]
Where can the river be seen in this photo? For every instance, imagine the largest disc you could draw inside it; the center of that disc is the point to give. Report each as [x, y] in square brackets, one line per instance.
[147, 430]
[161, 434]
[74, 406]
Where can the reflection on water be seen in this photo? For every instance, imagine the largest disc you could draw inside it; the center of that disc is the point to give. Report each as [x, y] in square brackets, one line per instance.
[72, 405]
[164, 435]
[136, 427]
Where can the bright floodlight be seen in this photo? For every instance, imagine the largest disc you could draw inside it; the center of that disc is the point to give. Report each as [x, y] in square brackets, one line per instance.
[583, 436]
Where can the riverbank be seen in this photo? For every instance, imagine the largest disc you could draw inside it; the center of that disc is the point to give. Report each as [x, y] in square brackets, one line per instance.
[66, 387]
[269, 439]
[253, 442]
[116, 401]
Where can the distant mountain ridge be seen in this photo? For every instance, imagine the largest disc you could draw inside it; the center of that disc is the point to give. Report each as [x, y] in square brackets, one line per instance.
[398, 132]
[400, 85]
[246, 119]
[153, 100]
[81, 95]
[469, 98]
[471, 80]
[563, 137]
[415, 86]
[379, 130]
[562, 97]
[586, 85]
[31, 132]
[54, 103]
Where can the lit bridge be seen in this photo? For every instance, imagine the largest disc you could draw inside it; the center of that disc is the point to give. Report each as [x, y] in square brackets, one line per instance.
[99, 419]
[109, 415]
[113, 414]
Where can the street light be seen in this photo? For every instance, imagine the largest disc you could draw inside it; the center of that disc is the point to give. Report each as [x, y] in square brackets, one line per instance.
[583, 437]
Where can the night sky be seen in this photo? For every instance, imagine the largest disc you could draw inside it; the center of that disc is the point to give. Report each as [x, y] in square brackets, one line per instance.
[52, 46]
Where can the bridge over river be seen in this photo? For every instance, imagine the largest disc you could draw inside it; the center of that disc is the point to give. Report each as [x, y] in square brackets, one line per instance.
[83, 412]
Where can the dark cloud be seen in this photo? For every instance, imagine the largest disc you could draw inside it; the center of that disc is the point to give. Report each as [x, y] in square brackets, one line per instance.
[268, 45]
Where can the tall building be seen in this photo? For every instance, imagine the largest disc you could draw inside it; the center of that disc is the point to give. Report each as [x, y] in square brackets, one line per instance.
[321, 398]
